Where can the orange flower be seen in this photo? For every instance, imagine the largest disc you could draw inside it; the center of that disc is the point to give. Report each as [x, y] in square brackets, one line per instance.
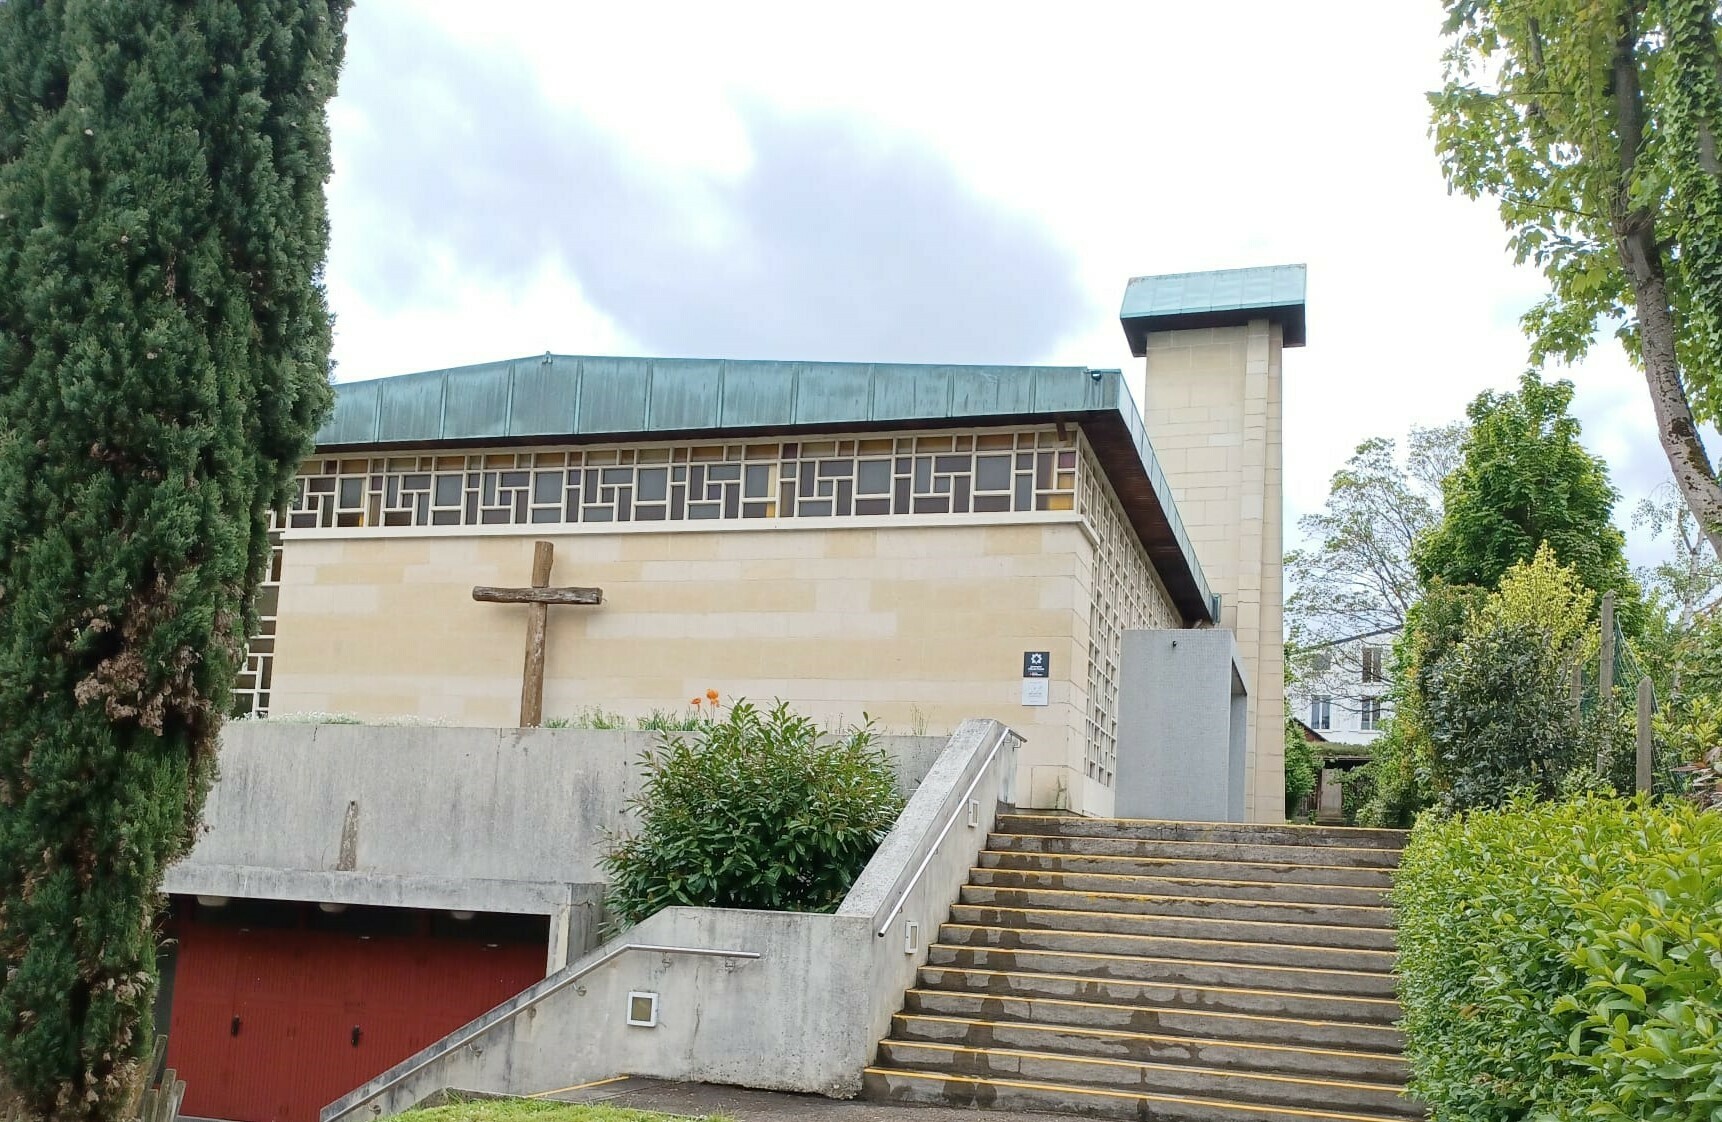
[695, 702]
[712, 696]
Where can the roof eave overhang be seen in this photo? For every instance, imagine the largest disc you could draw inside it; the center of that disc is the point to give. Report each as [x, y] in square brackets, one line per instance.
[1290, 317]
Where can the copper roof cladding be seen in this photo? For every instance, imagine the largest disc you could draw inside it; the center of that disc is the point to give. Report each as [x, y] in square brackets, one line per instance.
[587, 399]
[1218, 298]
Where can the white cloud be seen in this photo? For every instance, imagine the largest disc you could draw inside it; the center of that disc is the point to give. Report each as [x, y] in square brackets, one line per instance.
[1140, 138]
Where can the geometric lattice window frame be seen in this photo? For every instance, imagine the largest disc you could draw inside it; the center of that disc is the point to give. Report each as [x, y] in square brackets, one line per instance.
[256, 675]
[862, 477]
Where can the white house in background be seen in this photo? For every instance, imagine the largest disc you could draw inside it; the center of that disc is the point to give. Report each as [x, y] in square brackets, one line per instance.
[1342, 685]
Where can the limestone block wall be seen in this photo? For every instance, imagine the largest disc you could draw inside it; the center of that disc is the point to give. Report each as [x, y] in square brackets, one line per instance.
[918, 627]
[1213, 412]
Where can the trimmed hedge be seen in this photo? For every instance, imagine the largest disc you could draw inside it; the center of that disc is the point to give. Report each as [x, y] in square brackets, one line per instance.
[1562, 961]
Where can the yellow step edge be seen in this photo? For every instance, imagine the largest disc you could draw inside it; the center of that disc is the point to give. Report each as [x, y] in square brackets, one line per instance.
[1187, 824]
[1182, 880]
[1153, 1065]
[1306, 1022]
[1384, 870]
[1193, 899]
[1154, 958]
[1193, 841]
[1133, 1096]
[1141, 982]
[1164, 1037]
[1187, 919]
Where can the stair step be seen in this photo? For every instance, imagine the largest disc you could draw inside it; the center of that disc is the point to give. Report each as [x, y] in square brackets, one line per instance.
[1150, 1047]
[1234, 832]
[1232, 953]
[1192, 907]
[1210, 888]
[888, 1085]
[1124, 923]
[1255, 1028]
[1096, 965]
[1098, 844]
[1227, 1085]
[1270, 872]
[1159, 995]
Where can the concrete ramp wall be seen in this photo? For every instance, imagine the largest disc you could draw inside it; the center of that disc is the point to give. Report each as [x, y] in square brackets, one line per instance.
[779, 1000]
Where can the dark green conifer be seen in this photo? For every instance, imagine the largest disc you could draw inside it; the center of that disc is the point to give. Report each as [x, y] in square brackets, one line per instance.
[164, 344]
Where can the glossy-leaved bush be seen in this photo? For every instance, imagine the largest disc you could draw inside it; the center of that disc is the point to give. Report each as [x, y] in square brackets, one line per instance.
[753, 809]
[1563, 961]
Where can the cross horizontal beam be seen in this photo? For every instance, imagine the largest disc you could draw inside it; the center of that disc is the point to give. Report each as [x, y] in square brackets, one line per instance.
[491, 595]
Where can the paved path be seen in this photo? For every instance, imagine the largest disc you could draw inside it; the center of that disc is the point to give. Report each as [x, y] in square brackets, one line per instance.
[746, 1106]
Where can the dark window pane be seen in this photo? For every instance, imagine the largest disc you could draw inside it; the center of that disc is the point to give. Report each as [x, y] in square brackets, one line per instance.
[937, 504]
[758, 481]
[992, 473]
[951, 464]
[875, 477]
[654, 485]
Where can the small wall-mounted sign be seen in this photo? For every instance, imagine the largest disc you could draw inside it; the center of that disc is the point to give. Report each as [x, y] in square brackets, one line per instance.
[1036, 677]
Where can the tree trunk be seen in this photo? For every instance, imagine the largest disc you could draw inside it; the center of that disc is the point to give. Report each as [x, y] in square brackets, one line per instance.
[1634, 231]
[1675, 428]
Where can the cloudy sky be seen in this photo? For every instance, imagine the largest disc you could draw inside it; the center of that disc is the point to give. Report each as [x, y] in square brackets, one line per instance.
[942, 182]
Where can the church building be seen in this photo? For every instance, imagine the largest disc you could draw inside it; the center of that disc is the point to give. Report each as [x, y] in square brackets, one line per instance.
[537, 540]
[866, 541]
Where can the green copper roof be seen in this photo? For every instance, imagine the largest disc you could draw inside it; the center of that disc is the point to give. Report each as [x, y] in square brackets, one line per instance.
[581, 399]
[1221, 298]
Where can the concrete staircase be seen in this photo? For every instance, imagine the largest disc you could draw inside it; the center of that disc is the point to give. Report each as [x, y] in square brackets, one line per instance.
[1173, 972]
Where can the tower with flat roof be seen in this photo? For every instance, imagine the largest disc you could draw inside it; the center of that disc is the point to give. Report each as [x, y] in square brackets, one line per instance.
[1213, 342]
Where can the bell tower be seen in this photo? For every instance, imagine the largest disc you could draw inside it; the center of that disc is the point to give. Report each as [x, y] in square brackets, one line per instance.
[1212, 342]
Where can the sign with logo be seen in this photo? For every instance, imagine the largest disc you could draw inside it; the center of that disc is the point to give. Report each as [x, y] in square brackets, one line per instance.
[1036, 675]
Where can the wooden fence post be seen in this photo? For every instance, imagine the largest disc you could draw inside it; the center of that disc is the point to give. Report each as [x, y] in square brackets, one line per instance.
[1605, 680]
[1645, 700]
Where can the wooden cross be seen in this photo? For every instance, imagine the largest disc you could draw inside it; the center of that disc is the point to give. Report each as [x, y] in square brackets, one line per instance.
[537, 599]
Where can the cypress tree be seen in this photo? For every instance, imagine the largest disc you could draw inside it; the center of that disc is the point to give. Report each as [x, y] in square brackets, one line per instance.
[164, 344]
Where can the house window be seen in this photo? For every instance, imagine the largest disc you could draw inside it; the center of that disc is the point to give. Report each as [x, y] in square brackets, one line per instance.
[1321, 713]
[1372, 662]
[1369, 713]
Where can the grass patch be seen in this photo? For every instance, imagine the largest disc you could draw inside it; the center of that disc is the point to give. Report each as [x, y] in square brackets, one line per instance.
[534, 1110]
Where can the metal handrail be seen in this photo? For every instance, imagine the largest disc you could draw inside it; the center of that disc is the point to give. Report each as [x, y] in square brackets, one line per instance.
[963, 802]
[561, 984]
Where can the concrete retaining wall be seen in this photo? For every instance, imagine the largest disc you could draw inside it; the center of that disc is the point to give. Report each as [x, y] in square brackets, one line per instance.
[806, 1014]
[415, 816]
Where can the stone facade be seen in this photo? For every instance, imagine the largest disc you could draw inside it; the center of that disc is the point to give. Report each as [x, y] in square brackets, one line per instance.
[1213, 412]
[916, 621]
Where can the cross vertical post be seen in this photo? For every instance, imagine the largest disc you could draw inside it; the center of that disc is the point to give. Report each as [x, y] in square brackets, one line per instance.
[537, 622]
[538, 596]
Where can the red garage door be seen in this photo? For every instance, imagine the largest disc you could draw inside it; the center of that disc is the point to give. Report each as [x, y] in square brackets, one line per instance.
[279, 1010]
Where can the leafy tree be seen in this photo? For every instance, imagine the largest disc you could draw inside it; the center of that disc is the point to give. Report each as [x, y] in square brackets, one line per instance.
[164, 346]
[754, 810]
[1524, 481]
[1356, 577]
[1496, 703]
[1593, 124]
[1689, 581]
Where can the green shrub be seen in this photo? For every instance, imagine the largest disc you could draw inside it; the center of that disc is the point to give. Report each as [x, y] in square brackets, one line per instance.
[1563, 961]
[1303, 767]
[753, 810]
